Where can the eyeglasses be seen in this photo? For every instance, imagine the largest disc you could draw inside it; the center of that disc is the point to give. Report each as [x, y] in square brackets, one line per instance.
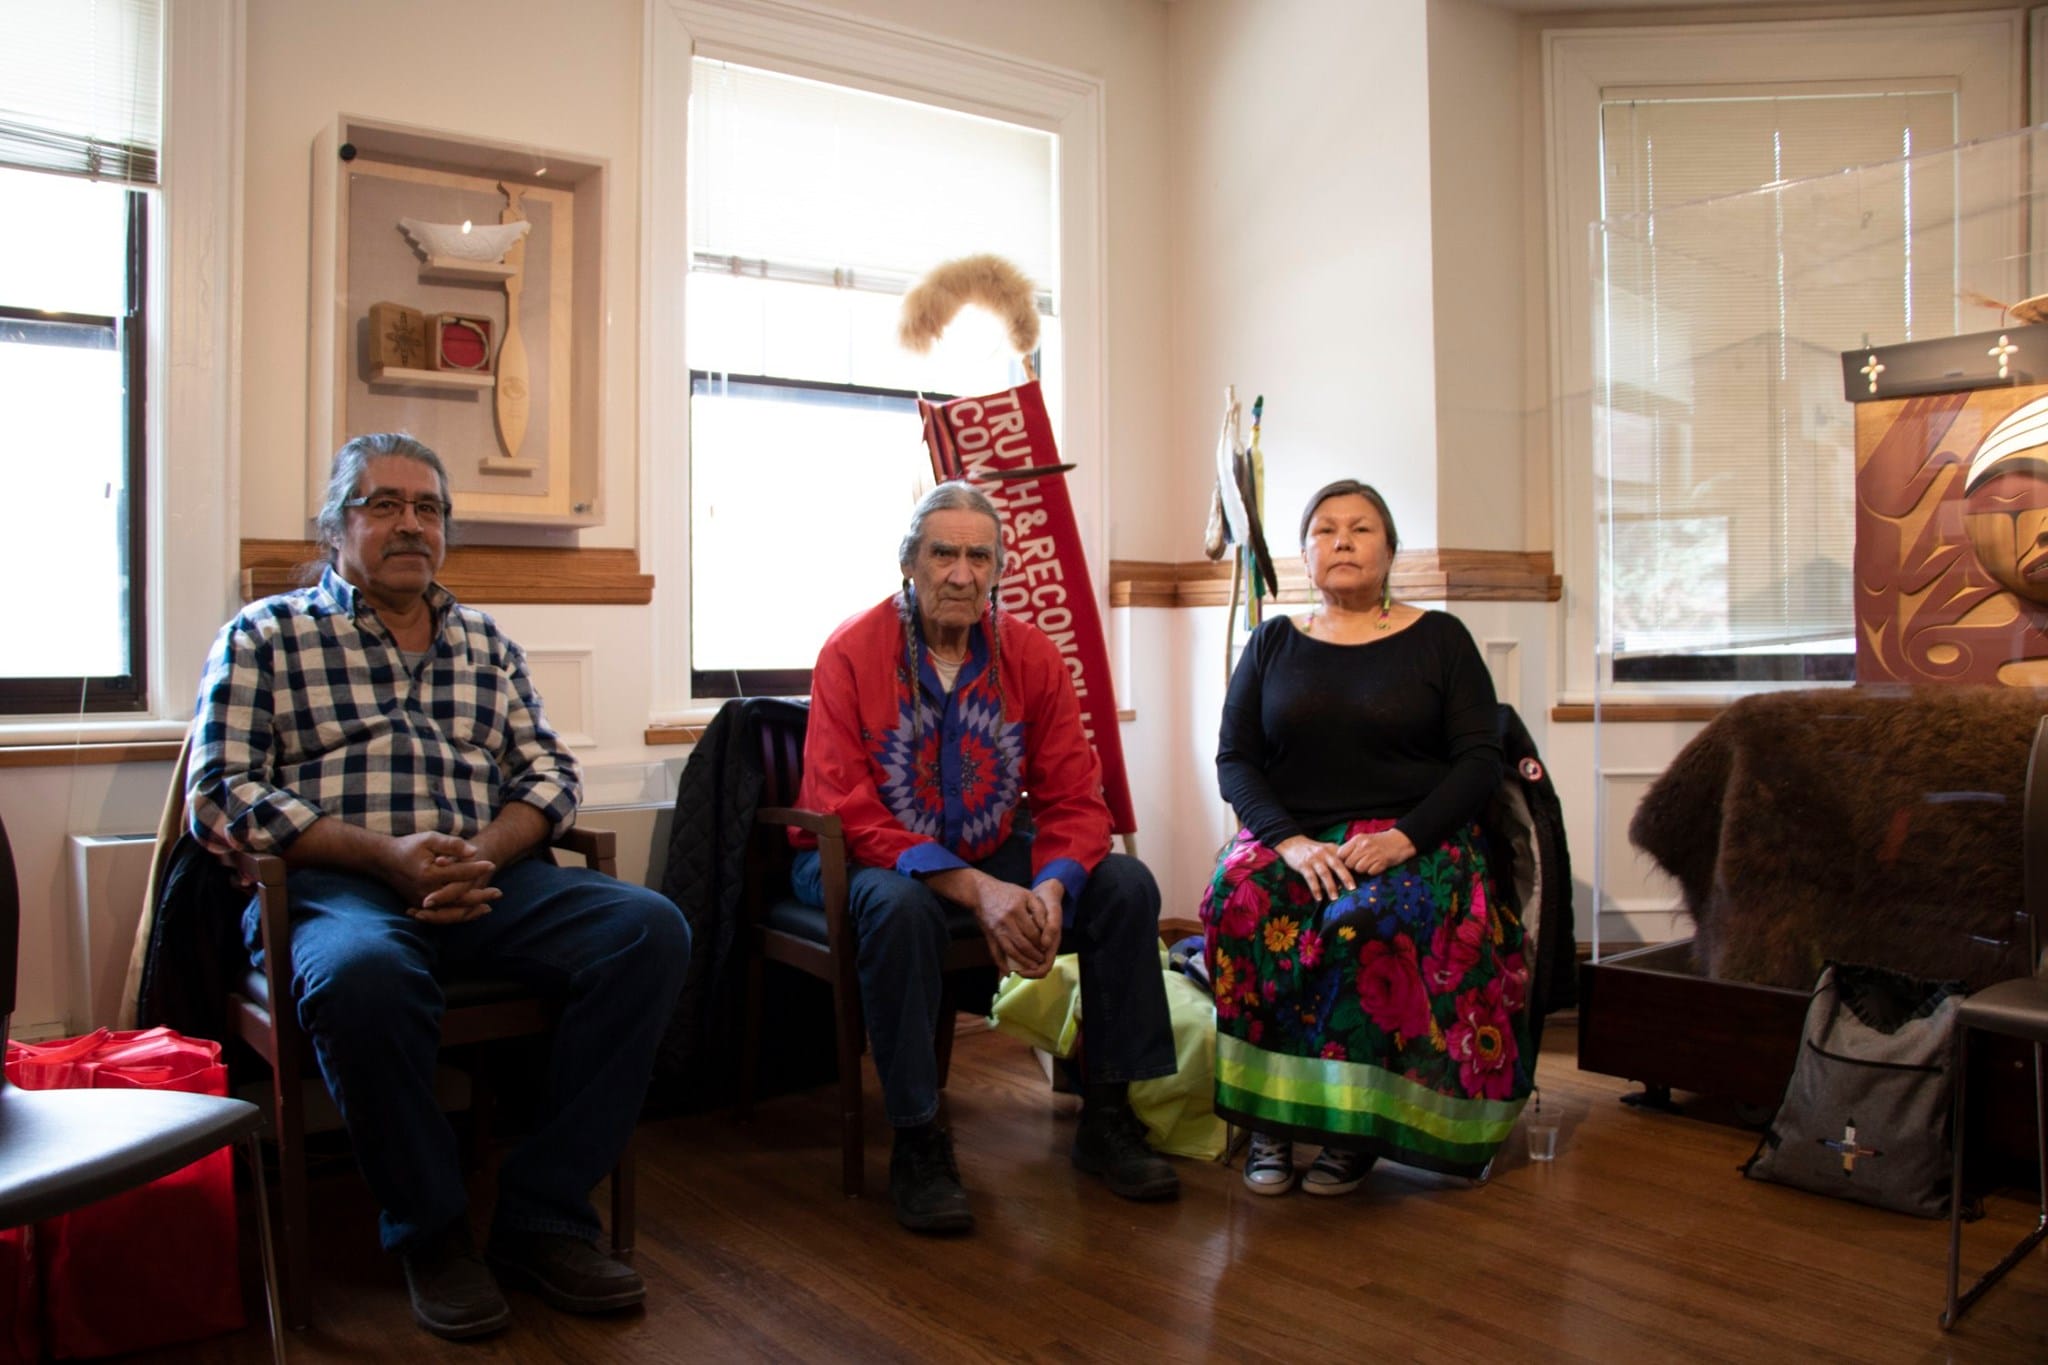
[388, 507]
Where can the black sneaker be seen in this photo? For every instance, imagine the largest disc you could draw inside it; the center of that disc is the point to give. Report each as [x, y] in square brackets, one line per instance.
[453, 1294]
[570, 1273]
[924, 1182]
[1111, 1143]
[1337, 1171]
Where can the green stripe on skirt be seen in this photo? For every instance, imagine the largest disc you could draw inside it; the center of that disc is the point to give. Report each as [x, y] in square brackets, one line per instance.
[1389, 1114]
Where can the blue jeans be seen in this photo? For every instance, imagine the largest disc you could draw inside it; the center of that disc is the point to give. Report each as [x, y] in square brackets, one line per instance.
[362, 973]
[902, 928]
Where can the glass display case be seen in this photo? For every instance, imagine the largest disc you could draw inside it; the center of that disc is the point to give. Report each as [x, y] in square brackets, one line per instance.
[1819, 434]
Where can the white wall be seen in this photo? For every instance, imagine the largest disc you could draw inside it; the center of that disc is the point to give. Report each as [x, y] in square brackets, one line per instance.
[539, 71]
[566, 76]
[1301, 251]
[1476, 176]
[42, 808]
[1338, 204]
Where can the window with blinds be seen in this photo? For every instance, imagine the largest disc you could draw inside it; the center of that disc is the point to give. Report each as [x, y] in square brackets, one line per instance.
[813, 208]
[81, 88]
[80, 119]
[1727, 510]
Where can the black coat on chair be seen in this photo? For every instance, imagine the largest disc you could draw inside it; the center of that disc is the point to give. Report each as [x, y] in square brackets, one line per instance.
[698, 1066]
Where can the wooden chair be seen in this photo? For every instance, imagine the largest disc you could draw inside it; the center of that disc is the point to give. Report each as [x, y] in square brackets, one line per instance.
[2016, 1008]
[478, 1010]
[819, 942]
[63, 1149]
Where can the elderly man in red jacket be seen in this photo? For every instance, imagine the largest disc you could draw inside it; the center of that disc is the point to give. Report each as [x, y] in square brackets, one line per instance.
[932, 714]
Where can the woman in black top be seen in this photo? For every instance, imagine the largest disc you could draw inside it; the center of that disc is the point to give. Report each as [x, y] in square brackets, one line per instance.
[1369, 988]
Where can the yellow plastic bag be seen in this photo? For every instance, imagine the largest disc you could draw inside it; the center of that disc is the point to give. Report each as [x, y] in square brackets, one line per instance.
[1045, 1012]
[1178, 1110]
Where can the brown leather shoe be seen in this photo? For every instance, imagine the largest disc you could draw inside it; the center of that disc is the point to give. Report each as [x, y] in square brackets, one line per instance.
[570, 1273]
[453, 1294]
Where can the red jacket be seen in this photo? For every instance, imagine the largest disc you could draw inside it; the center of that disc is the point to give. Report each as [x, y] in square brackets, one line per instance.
[923, 788]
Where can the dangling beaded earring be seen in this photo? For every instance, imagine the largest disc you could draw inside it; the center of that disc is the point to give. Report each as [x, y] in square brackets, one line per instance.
[1386, 603]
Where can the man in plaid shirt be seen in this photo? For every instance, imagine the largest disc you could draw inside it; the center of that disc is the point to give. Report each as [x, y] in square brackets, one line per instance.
[387, 742]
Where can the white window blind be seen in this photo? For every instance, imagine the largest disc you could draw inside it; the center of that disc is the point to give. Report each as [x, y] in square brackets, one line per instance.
[1730, 504]
[812, 209]
[800, 176]
[81, 87]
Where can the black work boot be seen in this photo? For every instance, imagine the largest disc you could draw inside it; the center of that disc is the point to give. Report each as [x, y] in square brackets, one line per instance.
[1111, 1143]
[453, 1294]
[924, 1182]
[570, 1273]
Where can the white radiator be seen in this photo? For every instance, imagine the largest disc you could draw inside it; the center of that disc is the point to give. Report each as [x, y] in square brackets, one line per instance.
[108, 876]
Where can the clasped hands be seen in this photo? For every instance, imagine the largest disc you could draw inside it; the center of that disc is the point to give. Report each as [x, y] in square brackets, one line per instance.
[1331, 869]
[444, 877]
[1022, 926]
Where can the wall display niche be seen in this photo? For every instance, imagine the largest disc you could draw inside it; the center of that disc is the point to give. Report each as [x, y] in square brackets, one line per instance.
[458, 295]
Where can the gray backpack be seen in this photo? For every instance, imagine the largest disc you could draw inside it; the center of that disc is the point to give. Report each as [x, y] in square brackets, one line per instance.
[1867, 1113]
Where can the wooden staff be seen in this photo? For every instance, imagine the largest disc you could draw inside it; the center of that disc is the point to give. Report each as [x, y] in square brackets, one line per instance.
[514, 392]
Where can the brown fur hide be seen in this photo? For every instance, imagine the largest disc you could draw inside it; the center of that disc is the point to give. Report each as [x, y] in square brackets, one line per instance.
[1878, 827]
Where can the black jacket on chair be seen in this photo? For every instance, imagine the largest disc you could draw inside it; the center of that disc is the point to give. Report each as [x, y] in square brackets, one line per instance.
[698, 1064]
[195, 952]
[1532, 867]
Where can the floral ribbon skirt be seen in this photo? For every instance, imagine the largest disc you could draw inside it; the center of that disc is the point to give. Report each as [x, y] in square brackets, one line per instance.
[1390, 1020]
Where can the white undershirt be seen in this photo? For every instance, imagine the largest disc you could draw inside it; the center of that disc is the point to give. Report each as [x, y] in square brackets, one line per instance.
[947, 672]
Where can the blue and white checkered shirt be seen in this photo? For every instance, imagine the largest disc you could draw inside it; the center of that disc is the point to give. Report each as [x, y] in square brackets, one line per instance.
[307, 710]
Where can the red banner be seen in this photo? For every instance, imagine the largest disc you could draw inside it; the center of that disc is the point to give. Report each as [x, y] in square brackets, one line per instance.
[1002, 444]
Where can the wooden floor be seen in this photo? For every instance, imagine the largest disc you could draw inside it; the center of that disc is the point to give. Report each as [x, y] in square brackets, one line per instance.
[1640, 1243]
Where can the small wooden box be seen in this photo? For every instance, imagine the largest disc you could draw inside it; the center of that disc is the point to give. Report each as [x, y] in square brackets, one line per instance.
[1652, 1016]
[459, 341]
[398, 337]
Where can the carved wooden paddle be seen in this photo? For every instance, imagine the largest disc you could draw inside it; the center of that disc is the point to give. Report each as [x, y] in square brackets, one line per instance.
[513, 395]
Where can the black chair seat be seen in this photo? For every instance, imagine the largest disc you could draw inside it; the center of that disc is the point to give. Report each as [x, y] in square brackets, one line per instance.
[798, 920]
[64, 1149]
[60, 1149]
[2017, 1008]
[458, 992]
[822, 942]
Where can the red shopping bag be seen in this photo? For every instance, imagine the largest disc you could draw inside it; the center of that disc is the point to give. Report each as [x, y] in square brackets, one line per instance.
[159, 1264]
[21, 1306]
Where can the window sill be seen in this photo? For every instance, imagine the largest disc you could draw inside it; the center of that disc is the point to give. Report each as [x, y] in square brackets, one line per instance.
[48, 744]
[1624, 712]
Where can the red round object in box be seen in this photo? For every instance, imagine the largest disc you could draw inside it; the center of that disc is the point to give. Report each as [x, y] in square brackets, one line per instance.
[463, 346]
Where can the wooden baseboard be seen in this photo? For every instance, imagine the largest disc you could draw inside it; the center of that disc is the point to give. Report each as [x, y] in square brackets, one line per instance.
[674, 734]
[1424, 575]
[478, 574]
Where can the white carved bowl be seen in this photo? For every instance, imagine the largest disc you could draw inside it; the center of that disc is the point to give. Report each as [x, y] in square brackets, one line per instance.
[465, 242]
